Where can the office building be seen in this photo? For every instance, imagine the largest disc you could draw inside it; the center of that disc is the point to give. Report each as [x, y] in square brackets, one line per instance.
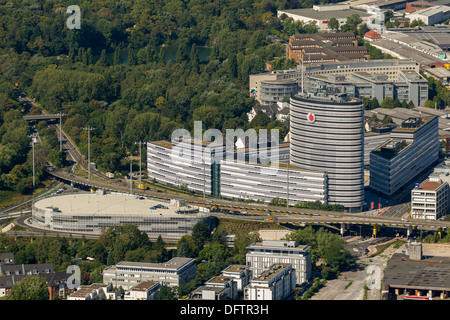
[244, 173]
[264, 86]
[429, 200]
[327, 135]
[174, 272]
[248, 181]
[188, 164]
[262, 255]
[275, 283]
[412, 148]
[408, 86]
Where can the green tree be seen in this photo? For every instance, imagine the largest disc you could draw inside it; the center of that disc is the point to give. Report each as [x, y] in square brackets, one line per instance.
[102, 60]
[29, 288]
[116, 58]
[333, 24]
[166, 293]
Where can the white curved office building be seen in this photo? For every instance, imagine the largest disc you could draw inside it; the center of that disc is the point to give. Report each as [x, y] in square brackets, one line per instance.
[327, 134]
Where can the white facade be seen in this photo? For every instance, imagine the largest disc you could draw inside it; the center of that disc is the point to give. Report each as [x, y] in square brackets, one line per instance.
[95, 291]
[261, 255]
[146, 290]
[245, 181]
[327, 135]
[184, 164]
[276, 283]
[429, 200]
[175, 272]
[432, 15]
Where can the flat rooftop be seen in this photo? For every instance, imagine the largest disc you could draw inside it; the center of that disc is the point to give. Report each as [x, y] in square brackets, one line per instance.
[427, 274]
[430, 185]
[108, 204]
[172, 264]
[325, 15]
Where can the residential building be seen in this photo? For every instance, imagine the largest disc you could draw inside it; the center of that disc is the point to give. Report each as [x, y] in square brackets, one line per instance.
[320, 15]
[146, 290]
[26, 269]
[276, 283]
[241, 274]
[279, 110]
[372, 35]
[412, 148]
[327, 135]
[6, 258]
[216, 288]
[174, 272]
[429, 200]
[262, 255]
[95, 291]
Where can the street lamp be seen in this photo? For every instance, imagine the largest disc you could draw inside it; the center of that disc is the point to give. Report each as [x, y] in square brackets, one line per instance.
[60, 130]
[33, 142]
[89, 129]
[140, 164]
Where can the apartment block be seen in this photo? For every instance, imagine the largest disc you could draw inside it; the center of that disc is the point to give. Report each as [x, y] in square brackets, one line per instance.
[146, 290]
[276, 283]
[262, 255]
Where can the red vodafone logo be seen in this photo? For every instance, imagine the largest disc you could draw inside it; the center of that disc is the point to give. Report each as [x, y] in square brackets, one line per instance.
[311, 117]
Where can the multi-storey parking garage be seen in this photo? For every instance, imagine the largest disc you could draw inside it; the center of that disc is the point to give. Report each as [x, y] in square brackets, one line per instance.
[327, 134]
[96, 212]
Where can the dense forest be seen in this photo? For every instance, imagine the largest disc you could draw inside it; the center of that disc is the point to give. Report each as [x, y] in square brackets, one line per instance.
[137, 70]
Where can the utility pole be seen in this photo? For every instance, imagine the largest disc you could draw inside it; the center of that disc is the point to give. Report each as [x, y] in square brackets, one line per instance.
[33, 142]
[131, 174]
[89, 129]
[140, 162]
[287, 187]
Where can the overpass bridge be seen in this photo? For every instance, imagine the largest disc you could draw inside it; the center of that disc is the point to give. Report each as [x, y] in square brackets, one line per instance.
[39, 117]
[264, 213]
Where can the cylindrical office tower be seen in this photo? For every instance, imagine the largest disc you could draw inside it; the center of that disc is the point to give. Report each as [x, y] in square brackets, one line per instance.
[327, 134]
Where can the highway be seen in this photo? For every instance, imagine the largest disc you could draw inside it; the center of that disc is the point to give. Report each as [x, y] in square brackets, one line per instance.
[291, 215]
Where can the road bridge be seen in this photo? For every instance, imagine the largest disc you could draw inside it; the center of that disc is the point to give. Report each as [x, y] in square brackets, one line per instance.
[39, 117]
[291, 215]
